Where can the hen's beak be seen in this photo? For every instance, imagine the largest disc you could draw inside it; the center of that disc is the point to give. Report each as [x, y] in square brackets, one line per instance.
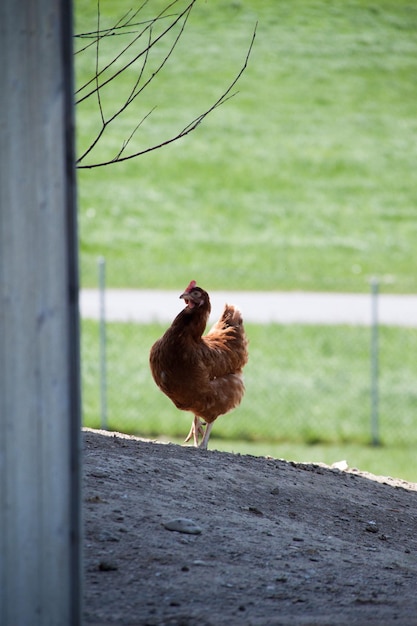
[188, 300]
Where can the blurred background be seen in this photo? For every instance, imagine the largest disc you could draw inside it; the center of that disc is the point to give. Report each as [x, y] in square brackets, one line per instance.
[304, 180]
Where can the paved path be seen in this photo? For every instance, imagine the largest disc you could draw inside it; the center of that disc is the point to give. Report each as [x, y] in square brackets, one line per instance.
[124, 305]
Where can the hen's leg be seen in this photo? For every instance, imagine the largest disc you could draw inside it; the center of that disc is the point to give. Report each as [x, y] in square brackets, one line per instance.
[206, 436]
[195, 431]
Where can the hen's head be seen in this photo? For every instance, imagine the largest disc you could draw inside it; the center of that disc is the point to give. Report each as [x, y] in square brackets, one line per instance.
[195, 296]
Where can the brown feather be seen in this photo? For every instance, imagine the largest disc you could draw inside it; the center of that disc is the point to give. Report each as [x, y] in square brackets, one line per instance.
[202, 374]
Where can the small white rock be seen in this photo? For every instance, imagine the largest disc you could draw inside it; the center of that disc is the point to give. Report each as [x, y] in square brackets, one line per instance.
[183, 525]
[341, 465]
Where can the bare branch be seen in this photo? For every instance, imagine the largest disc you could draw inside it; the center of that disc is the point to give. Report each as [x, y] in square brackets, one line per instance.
[126, 142]
[97, 55]
[187, 129]
[106, 31]
[135, 92]
[129, 21]
[184, 14]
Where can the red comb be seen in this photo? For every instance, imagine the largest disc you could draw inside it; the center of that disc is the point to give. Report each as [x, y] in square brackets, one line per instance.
[191, 286]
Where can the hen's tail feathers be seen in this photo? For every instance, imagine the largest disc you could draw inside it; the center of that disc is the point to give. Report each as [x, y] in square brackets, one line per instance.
[230, 318]
[228, 334]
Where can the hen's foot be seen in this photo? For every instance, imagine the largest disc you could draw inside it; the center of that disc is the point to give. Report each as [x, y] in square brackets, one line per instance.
[196, 431]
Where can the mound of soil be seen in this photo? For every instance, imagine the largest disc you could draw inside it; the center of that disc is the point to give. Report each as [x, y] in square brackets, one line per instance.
[180, 536]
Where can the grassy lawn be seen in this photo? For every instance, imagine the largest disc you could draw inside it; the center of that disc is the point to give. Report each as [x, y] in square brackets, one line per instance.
[304, 180]
[304, 385]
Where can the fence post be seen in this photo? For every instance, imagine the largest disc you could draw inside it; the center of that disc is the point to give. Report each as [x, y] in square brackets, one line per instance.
[103, 341]
[40, 400]
[374, 363]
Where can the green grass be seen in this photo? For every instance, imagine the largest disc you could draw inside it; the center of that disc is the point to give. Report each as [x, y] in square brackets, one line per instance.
[304, 180]
[304, 384]
[395, 461]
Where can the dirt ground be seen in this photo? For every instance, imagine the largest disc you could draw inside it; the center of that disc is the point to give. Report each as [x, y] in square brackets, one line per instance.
[269, 542]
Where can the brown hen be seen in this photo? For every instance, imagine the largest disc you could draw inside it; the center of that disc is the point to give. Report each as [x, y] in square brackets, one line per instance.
[201, 374]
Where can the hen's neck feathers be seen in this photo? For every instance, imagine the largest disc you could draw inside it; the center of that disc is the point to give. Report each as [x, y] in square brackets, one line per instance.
[192, 322]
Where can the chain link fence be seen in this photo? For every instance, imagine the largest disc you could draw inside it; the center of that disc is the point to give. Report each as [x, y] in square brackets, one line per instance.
[304, 383]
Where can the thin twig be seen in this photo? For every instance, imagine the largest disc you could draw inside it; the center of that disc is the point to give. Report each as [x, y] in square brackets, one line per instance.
[187, 129]
[97, 57]
[136, 57]
[142, 69]
[135, 91]
[126, 142]
[105, 32]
